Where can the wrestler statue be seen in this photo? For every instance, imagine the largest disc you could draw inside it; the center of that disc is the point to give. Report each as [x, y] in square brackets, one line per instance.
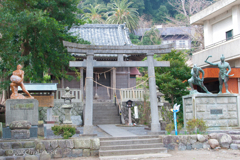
[17, 80]
[195, 79]
[223, 73]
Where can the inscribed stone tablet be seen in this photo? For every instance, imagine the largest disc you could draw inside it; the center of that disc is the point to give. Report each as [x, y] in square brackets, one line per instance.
[216, 111]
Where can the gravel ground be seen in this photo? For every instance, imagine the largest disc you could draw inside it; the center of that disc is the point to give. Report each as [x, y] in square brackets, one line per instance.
[185, 155]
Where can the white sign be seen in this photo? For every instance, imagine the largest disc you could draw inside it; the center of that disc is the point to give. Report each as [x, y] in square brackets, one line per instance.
[136, 112]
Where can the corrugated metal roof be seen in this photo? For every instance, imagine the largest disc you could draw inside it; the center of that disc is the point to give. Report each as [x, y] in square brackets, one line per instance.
[103, 34]
[39, 87]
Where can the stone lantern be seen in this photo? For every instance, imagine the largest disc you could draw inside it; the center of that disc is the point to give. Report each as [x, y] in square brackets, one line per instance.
[67, 106]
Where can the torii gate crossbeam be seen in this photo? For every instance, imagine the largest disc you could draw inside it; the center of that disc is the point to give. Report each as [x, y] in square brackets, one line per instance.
[89, 63]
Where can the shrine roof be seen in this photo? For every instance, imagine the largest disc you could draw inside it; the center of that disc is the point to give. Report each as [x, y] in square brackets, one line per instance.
[103, 34]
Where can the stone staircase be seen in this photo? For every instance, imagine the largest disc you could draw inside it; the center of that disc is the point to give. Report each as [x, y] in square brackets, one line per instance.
[137, 145]
[105, 113]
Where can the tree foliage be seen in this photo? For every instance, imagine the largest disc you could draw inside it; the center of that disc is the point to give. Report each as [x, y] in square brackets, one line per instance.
[151, 37]
[172, 81]
[32, 35]
[95, 14]
[121, 12]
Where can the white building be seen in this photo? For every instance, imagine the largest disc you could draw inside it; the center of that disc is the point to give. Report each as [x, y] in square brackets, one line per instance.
[221, 23]
[179, 36]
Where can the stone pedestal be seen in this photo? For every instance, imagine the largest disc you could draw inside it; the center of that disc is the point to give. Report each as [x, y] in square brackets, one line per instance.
[20, 134]
[20, 129]
[67, 109]
[22, 109]
[218, 110]
[49, 116]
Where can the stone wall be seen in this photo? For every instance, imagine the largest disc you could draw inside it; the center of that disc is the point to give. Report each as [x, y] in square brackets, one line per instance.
[58, 111]
[47, 149]
[218, 110]
[210, 141]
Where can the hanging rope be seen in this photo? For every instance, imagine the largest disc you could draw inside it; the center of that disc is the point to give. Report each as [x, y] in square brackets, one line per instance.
[121, 88]
[102, 72]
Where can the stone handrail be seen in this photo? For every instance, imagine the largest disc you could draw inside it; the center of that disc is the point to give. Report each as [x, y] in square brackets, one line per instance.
[128, 94]
[74, 91]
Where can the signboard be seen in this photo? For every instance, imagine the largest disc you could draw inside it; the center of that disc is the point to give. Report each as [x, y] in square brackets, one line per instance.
[216, 111]
[45, 101]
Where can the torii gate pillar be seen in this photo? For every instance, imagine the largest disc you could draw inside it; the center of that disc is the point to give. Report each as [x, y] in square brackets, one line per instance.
[155, 125]
[88, 111]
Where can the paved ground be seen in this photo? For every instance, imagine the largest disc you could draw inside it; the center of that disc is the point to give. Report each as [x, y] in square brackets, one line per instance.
[182, 155]
[97, 130]
[108, 131]
[115, 131]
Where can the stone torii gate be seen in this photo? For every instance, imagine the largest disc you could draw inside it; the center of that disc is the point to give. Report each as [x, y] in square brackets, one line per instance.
[90, 63]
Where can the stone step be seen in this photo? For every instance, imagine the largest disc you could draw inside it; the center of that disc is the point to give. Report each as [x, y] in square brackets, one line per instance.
[107, 112]
[122, 138]
[129, 142]
[107, 119]
[132, 151]
[99, 116]
[134, 146]
[112, 104]
[135, 157]
[109, 122]
[105, 109]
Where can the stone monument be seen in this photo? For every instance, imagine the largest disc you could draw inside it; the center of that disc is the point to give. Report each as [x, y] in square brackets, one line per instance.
[220, 111]
[19, 107]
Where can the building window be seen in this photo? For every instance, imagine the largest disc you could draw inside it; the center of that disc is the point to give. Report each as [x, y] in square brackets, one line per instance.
[182, 44]
[229, 35]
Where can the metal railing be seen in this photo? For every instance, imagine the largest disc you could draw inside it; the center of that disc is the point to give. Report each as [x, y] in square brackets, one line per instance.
[219, 42]
[74, 91]
[222, 41]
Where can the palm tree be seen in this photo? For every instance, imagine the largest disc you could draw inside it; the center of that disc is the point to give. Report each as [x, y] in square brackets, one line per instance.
[95, 13]
[121, 13]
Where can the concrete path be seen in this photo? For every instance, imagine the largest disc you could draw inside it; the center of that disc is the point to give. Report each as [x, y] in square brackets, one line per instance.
[115, 131]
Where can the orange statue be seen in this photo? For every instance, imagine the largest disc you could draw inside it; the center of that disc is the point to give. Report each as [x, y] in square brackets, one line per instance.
[17, 80]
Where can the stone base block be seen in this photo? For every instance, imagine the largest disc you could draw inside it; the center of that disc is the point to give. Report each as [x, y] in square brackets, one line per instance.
[22, 109]
[217, 110]
[33, 132]
[20, 134]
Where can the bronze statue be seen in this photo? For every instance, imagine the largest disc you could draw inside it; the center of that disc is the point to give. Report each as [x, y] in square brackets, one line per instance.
[223, 73]
[195, 79]
[17, 80]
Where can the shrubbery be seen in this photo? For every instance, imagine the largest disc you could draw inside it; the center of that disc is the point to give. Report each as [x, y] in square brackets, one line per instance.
[170, 127]
[65, 131]
[196, 124]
